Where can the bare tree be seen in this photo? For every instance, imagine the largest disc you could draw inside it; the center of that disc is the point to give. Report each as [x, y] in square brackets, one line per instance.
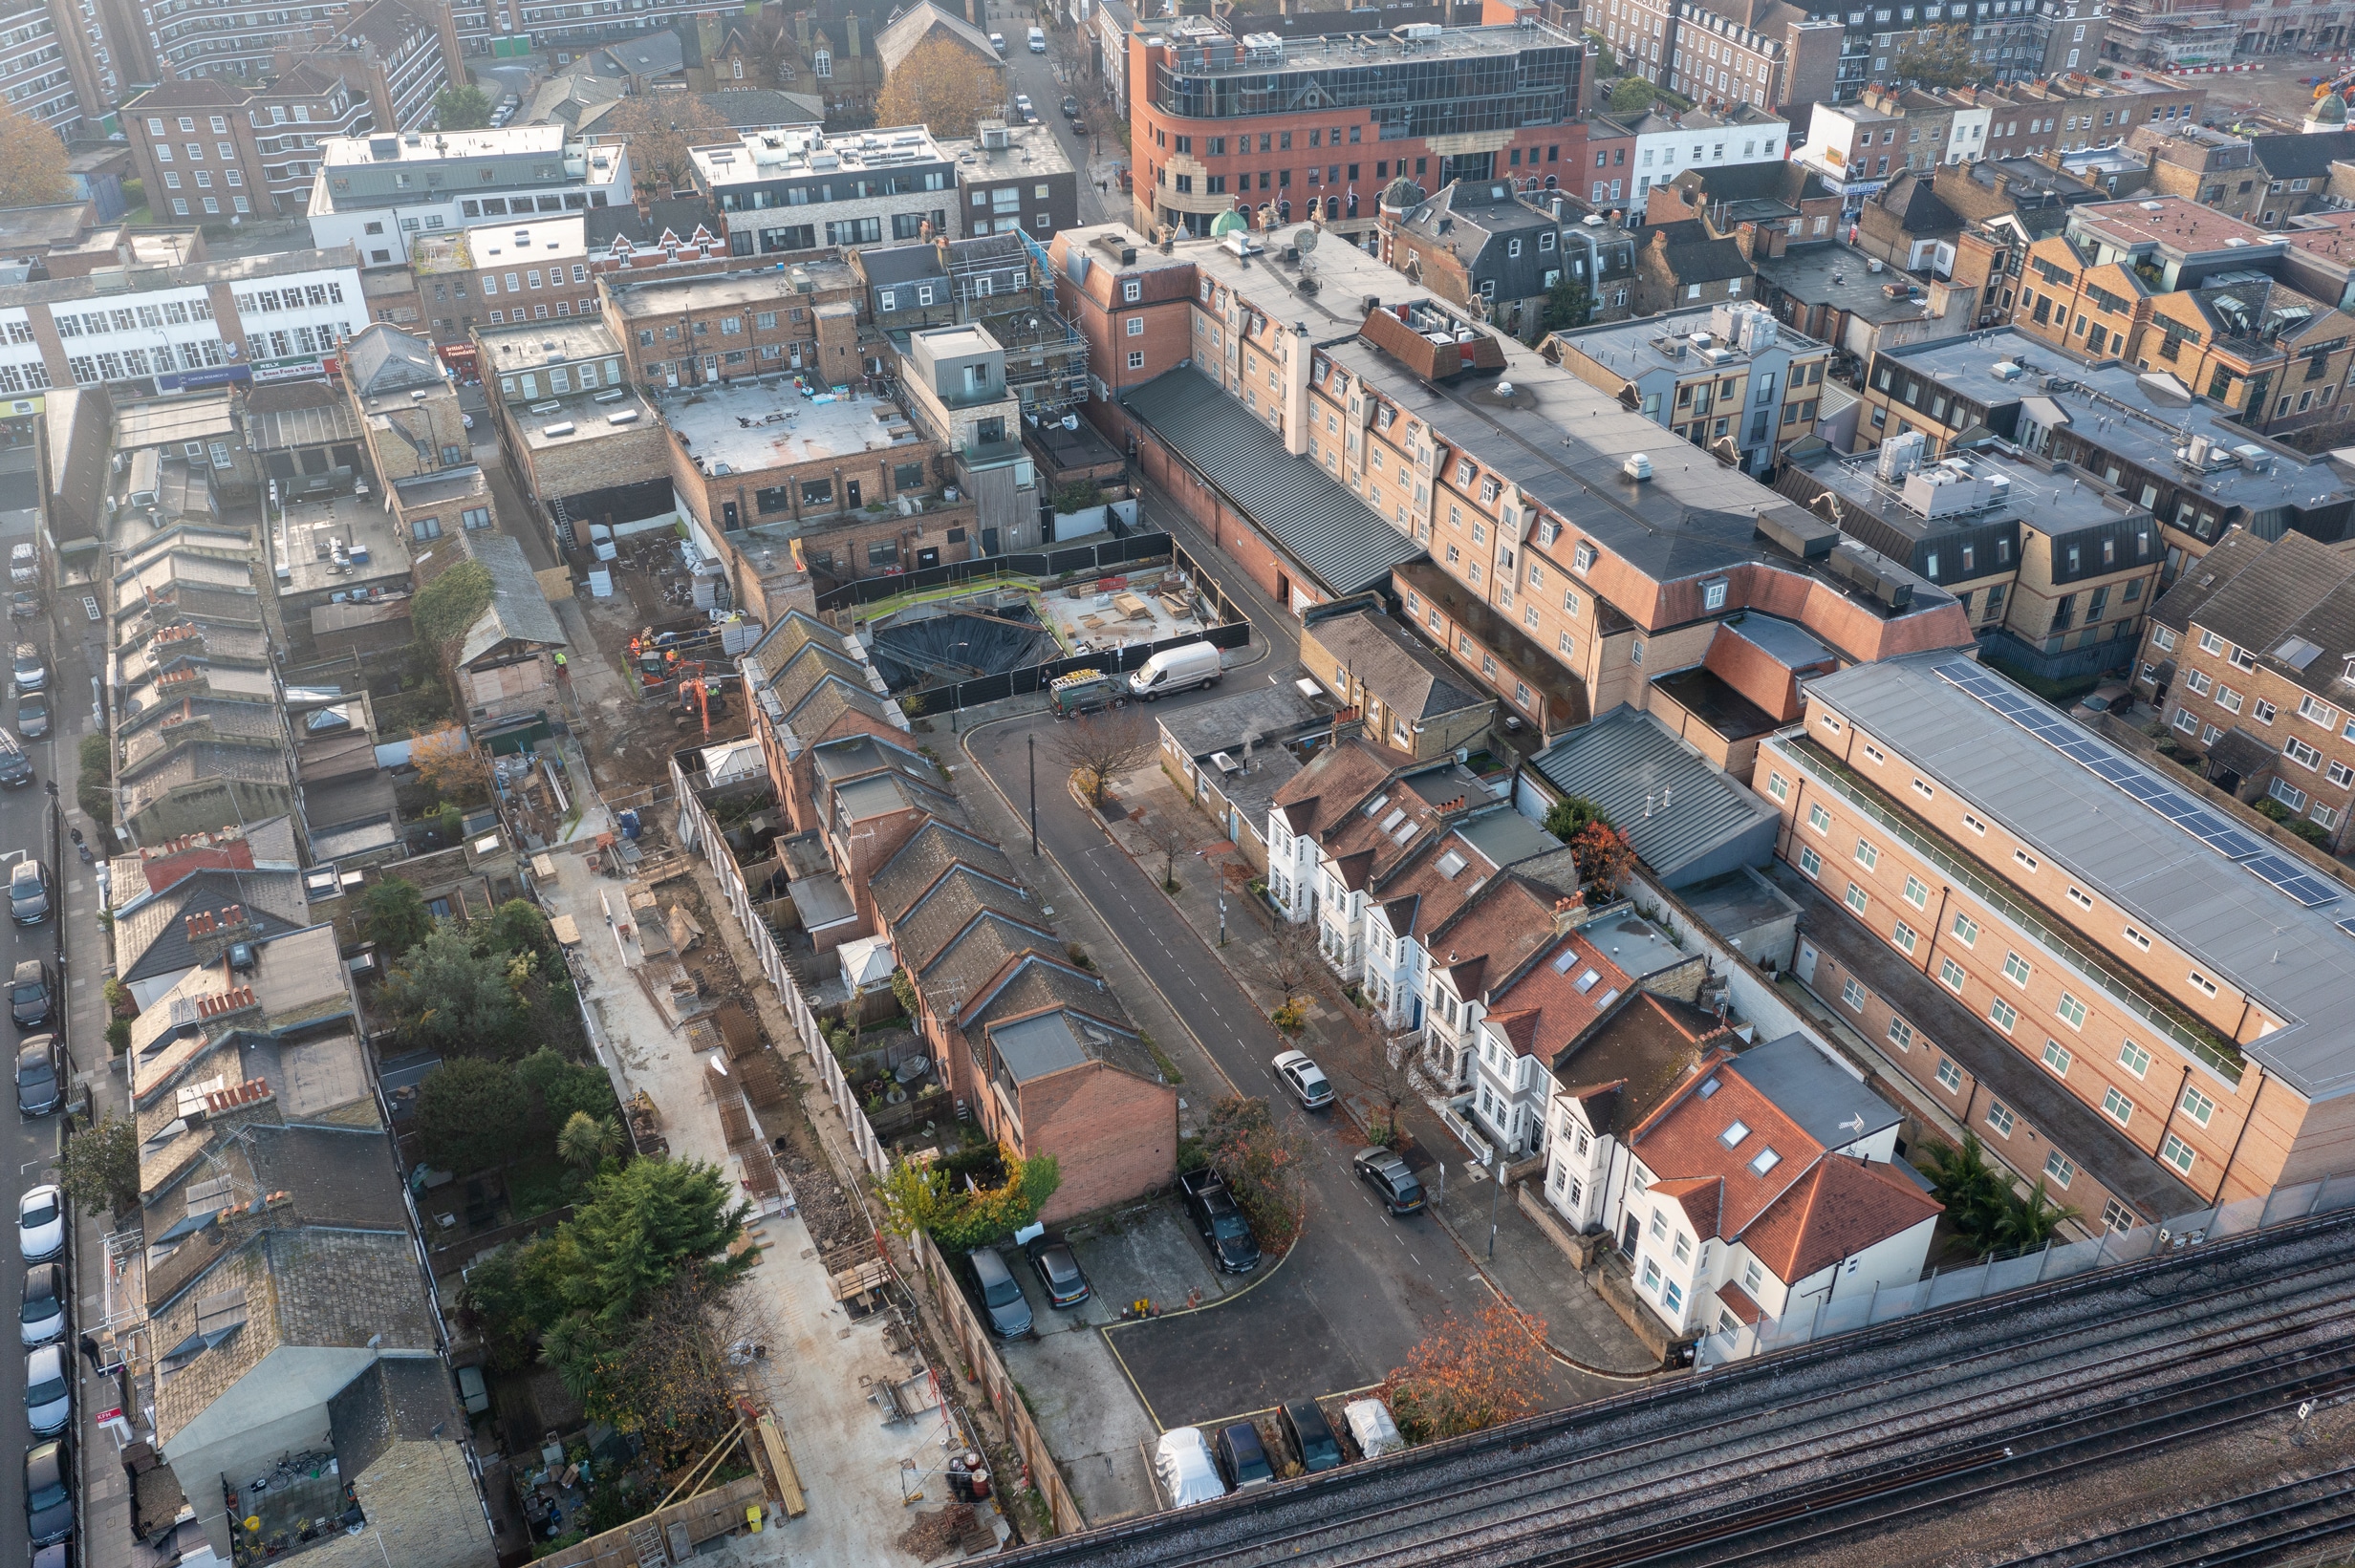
[1292, 958]
[1102, 744]
[1170, 836]
[1388, 1085]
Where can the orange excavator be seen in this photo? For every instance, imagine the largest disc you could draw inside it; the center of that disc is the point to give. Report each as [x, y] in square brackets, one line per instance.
[702, 700]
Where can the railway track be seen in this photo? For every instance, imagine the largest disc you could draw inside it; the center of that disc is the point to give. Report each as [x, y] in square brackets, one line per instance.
[2255, 1527]
[1763, 1459]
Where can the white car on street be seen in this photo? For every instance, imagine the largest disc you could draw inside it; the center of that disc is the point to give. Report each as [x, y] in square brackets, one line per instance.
[40, 1224]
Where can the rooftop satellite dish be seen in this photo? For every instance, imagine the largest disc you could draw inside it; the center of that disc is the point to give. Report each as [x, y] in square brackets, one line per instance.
[1305, 238]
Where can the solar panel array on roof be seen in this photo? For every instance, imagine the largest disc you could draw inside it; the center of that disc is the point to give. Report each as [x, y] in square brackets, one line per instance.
[2072, 741]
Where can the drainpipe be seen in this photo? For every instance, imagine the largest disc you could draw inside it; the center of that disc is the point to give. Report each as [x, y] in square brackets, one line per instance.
[2243, 1133]
[2168, 1125]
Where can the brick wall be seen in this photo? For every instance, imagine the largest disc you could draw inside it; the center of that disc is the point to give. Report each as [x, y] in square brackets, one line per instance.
[613, 457]
[1114, 1135]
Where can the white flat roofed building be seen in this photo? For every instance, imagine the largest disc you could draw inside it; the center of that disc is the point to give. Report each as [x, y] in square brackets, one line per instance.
[783, 191]
[376, 193]
[258, 318]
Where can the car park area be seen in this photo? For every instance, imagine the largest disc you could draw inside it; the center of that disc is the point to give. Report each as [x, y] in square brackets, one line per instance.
[1070, 1377]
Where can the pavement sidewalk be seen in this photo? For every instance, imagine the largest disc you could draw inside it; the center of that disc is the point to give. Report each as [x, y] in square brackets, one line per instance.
[1528, 1270]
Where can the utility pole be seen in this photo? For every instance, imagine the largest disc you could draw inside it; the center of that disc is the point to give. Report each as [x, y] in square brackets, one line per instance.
[1496, 1190]
[1034, 795]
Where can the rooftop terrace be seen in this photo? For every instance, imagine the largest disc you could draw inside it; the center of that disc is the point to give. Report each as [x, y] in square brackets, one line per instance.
[742, 428]
[807, 150]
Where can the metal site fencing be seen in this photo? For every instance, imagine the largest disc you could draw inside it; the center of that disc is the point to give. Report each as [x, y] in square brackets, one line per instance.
[701, 835]
[2282, 1206]
[1037, 678]
[1102, 557]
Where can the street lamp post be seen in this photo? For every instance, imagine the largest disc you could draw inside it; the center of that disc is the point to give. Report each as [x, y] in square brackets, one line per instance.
[1034, 795]
[1496, 1177]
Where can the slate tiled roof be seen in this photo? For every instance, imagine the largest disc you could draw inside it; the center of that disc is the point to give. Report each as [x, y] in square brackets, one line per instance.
[153, 939]
[302, 1288]
[384, 358]
[897, 41]
[519, 609]
[931, 850]
[1324, 527]
[1394, 666]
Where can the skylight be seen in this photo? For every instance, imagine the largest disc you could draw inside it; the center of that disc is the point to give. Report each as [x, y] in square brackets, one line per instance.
[1733, 1136]
[1374, 807]
[1765, 1160]
[1606, 999]
[1586, 983]
[1709, 1086]
[1398, 814]
[1450, 863]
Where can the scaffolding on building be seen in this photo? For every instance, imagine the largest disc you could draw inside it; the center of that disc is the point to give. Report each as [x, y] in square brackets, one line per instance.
[1046, 356]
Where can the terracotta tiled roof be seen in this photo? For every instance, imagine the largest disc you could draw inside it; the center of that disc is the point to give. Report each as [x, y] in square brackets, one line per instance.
[1685, 1137]
[1492, 936]
[1841, 1207]
[1559, 1000]
[1633, 1058]
[1736, 1300]
[1702, 1197]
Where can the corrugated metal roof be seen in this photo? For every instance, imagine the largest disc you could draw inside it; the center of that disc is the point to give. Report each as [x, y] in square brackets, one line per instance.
[1673, 806]
[1320, 524]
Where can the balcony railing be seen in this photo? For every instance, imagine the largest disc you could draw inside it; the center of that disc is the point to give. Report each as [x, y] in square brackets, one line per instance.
[2190, 1035]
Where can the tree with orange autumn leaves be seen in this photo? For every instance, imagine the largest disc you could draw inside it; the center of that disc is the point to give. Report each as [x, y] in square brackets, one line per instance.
[1465, 1377]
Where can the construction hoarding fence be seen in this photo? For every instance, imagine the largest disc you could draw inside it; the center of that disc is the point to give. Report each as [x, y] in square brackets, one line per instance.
[997, 1385]
[1097, 558]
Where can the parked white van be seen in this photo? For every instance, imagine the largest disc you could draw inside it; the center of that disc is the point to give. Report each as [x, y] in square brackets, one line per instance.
[1176, 670]
[1038, 41]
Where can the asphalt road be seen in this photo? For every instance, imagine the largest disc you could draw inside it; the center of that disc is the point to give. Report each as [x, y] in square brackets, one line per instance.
[1037, 76]
[29, 1146]
[1360, 1287]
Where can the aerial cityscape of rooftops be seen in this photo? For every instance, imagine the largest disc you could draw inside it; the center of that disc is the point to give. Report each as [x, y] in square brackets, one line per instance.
[1111, 783]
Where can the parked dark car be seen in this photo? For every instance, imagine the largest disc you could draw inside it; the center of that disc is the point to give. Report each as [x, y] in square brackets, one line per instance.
[40, 1075]
[29, 890]
[1386, 1171]
[49, 1492]
[31, 997]
[1001, 1298]
[43, 1317]
[1231, 1245]
[1059, 1272]
[1310, 1434]
[15, 767]
[1243, 1459]
[1070, 108]
[24, 604]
